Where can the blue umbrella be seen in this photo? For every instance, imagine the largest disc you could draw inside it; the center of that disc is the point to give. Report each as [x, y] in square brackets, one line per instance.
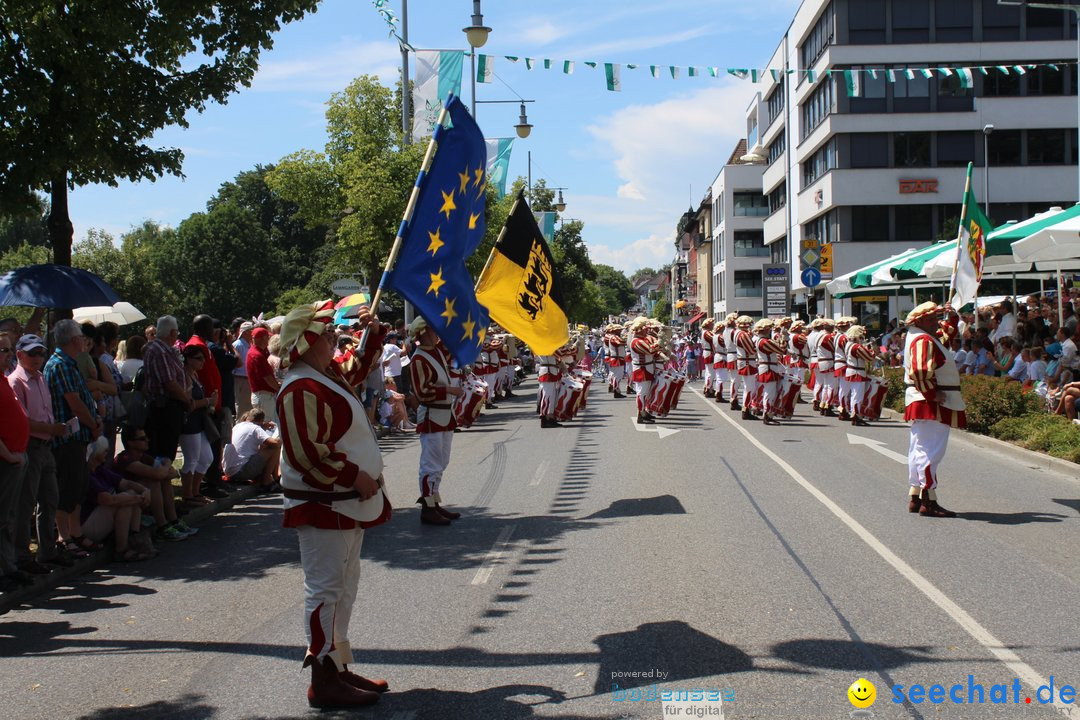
[54, 286]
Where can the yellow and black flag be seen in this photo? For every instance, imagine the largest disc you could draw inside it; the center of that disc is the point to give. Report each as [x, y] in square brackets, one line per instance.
[519, 287]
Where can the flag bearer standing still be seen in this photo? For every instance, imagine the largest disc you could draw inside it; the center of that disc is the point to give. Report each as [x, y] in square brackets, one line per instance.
[430, 375]
[932, 404]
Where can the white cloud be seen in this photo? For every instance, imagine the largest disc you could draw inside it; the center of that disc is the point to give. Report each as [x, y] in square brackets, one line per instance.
[331, 70]
[664, 154]
[644, 42]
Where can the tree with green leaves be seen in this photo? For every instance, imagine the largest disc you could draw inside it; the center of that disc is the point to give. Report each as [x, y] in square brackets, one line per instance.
[87, 84]
[616, 289]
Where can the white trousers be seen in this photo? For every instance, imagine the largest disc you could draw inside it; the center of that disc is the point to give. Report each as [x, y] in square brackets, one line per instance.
[197, 453]
[828, 389]
[264, 400]
[434, 457]
[617, 372]
[736, 383]
[750, 386]
[844, 393]
[856, 395]
[929, 438]
[331, 563]
[643, 390]
[549, 398]
[709, 380]
[770, 396]
[720, 377]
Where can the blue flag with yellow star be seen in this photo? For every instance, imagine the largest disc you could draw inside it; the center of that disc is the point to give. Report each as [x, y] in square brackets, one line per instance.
[446, 227]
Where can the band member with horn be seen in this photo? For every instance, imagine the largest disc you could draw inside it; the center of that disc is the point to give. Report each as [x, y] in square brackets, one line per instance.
[859, 357]
[826, 378]
[746, 365]
[644, 350]
[707, 356]
[331, 475]
[768, 353]
[731, 355]
[432, 383]
[616, 358]
[932, 404]
[843, 390]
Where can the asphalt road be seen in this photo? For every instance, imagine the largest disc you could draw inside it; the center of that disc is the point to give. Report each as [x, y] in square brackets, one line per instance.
[597, 564]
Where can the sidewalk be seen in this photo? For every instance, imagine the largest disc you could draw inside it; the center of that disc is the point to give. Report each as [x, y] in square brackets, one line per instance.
[44, 583]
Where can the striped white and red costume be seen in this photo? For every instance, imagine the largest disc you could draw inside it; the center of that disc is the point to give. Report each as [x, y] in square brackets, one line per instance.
[707, 358]
[549, 375]
[932, 404]
[326, 442]
[719, 363]
[430, 372]
[769, 371]
[843, 390]
[731, 356]
[826, 379]
[643, 352]
[813, 339]
[746, 366]
[616, 359]
[859, 357]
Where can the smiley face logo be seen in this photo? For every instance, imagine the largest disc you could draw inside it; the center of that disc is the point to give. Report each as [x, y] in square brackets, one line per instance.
[862, 693]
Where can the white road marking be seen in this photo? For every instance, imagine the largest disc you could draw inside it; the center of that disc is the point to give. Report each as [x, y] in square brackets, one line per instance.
[493, 556]
[663, 432]
[540, 473]
[980, 634]
[877, 446]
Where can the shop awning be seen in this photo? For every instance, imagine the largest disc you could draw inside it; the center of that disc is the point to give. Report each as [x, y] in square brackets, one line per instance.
[696, 317]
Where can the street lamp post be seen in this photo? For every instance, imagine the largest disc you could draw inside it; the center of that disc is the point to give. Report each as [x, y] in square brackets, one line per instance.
[477, 35]
[523, 127]
[987, 129]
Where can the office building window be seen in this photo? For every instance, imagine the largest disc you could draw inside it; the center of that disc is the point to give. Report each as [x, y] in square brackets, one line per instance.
[915, 223]
[819, 163]
[778, 198]
[1000, 22]
[869, 150]
[910, 94]
[718, 286]
[953, 96]
[870, 223]
[911, 21]
[777, 147]
[750, 243]
[750, 204]
[747, 283]
[1046, 147]
[870, 95]
[818, 106]
[1004, 146]
[779, 251]
[718, 210]
[718, 248]
[775, 103]
[820, 38]
[998, 84]
[953, 20]
[821, 228]
[911, 149]
[1045, 24]
[1072, 147]
[866, 22]
[955, 149]
[1046, 81]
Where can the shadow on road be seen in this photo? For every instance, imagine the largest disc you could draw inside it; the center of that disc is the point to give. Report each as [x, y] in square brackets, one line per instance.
[188, 707]
[635, 507]
[1017, 518]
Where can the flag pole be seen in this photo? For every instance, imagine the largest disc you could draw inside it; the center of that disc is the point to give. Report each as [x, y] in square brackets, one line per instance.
[959, 235]
[406, 218]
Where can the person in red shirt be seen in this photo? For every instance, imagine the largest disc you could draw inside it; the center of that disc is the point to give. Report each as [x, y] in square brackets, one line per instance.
[264, 384]
[210, 378]
[331, 477]
[14, 440]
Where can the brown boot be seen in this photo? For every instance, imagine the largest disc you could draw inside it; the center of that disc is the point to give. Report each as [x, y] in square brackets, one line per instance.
[930, 508]
[375, 685]
[619, 394]
[328, 691]
[914, 503]
[448, 514]
[431, 516]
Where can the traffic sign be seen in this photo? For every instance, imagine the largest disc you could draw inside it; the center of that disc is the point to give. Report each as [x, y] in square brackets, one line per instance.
[346, 286]
[811, 277]
[826, 258]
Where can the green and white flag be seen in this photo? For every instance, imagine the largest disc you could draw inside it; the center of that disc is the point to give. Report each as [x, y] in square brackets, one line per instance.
[966, 81]
[568, 67]
[498, 162]
[438, 74]
[484, 68]
[547, 63]
[970, 249]
[851, 82]
[612, 74]
[545, 220]
[529, 62]
[654, 70]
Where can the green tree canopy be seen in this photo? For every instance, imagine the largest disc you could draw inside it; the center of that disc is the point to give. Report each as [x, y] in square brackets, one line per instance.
[616, 289]
[87, 84]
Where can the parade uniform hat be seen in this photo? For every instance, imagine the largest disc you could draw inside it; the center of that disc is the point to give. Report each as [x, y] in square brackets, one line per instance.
[843, 320]
[731, 317]
[928, 308]
[826, 323]
[784, 321]
[856, 332]
[799, 325]
[744, 321]
[764, 324]
[707, 323]
[638, 324]
[417, 326]
[301, 328]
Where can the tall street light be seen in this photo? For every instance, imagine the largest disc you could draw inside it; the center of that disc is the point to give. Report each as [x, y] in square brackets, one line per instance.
[477, 35]
[523, 127]
[987, 129]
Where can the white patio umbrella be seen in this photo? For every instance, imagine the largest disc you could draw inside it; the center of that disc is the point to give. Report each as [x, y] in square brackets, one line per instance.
[122, 313]
[1057, 245]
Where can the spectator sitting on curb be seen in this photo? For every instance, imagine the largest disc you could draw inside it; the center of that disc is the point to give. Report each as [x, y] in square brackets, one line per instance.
[253, 454]
[114, 505]
[137, 465]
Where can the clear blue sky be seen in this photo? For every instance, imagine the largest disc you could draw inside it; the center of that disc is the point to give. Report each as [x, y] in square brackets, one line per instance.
[633, 160]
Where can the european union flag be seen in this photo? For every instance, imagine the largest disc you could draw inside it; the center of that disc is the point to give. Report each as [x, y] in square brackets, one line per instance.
[446, 227]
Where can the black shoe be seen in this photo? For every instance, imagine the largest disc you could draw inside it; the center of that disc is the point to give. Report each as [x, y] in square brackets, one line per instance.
[619, 394]
[215, 492]
[60, 560]
[508, 394]
[21, 578]
[34, 568]
[491, 406]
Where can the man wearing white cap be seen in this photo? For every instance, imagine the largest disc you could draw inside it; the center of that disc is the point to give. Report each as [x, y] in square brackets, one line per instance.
[746, 366]
[859, 357]
[331, 474]
[241, 345]
[932, 404]
[644, 350]
[431, 380]
[842, 393]
[707, 356]
[616, 358]
[826, 379]
[768, 369]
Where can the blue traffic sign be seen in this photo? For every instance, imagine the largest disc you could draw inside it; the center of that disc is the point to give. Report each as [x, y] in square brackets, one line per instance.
[811, 277]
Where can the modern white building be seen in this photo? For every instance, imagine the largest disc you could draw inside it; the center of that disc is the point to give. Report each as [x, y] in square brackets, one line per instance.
[738, 242]
[880, 171]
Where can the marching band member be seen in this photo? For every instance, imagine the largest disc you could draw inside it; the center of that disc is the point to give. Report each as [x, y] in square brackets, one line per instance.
[843, 391]
[616, 358]
[643, 352]
[549, 377]
[859, 357]
[510, 346]
[746, 365]
[731, 355]
[719, 364]
[826, 378]
[707, 355]
[932, 404]
[430, 372]
[798, 352]
[768, 369]
[813, 339]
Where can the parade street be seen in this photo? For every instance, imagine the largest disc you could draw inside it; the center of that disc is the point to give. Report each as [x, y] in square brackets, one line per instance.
[597, 565]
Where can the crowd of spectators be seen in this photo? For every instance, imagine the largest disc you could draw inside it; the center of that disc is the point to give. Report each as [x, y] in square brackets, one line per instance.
[113, 440]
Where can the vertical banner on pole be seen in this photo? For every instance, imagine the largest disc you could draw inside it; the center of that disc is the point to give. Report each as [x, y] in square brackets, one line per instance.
[498, 162]
[438, 75]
